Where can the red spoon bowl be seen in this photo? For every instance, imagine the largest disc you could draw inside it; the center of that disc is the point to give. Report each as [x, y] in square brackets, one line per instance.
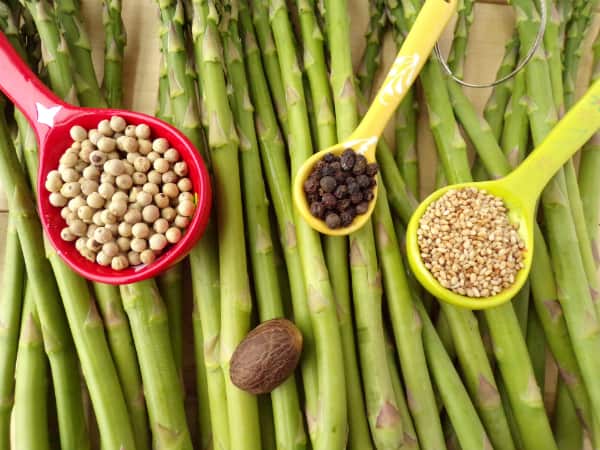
[51, 119]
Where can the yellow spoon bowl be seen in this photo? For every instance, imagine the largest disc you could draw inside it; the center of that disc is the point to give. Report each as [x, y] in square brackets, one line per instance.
[520, 191]
[417, 46]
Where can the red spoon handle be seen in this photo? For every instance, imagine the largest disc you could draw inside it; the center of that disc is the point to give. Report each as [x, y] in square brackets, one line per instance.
[26, 91]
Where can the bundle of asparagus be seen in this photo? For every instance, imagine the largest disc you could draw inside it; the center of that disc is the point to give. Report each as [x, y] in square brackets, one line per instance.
[258, 86]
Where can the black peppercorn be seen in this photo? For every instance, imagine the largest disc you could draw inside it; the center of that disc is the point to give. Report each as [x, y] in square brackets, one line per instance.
[329, 158]
[333, 220]
[317, 209]
[346, 218]
[356, 198]
[363, 181]
[343, 204]
[328, 184]
[362, 208]
[341, 191]
[360, 165]
[329, 200]
[347, 159]
[372, 169]
[311, 185]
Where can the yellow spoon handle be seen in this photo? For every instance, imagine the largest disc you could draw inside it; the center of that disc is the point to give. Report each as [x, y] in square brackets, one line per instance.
[574, 130]
[428, 27]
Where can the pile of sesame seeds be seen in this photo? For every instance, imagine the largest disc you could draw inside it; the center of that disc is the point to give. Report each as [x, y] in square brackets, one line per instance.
[468, 243]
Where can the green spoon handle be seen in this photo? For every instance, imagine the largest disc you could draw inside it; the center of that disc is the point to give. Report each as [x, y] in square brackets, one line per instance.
[568, 136]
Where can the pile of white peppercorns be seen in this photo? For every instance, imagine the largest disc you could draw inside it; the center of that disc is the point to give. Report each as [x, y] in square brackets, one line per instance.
[124, 195]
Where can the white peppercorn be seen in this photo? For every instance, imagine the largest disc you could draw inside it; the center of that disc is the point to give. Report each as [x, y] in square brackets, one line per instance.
[142, 164]
[107, 178]
[134, 258]
[138, 244]
[94, 136]
[65, 212]
[144, 146]
[103, 235]
[185, 196]
[53, 184]
[114, 167]
[173, 235]
[130, 130]
[160, 145]
[80, 165]
[93, 245]
[84, 154]
[127, 144]
[161, 165]
[147, 256]
[85, 213]
[181, 221]
[142, 131]
[124, 229]
[144, 198]
[91, 229]
[54, 175]
[110, 249]
[161, 200]
[113, 155]
[184, 185]
[88, 187]
[75, 203]
[70, 190]
[67, 235]
[151, 188]
[69, 159]
[118, 207]
[120, 196]
[157, 242]
[161, 225]
[95, 200]
[170, 190]
[129, 169]
[91, 173]
[103, 259]
[140, 230]
[106, 144]
[186, 208]
[154, 177]
[133, 193]
[139, 178]
[168, 214]
[78, 133]
[57, 199]
[113, 228]
[124, 243]
[107, 217]
[153, 156]
[106, 190]
[171, 155]
[131, 157]
[97, 158]
[180, 168]
[77, 227]
[169, 177]
[97, 218]
[80, 243]
[117, 123]
[150, 213]
[105, 128]
[119, 262]
[68, 174]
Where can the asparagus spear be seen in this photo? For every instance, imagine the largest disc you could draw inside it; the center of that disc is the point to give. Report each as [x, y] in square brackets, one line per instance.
[289, 428]
[277, 174]
[329, 421]
[163, 390]
[371, 57]
[115, 39]
[406, 116]
[88, 90]
[236, 302]
[575, 299]
[567, 426]
[30, 414]
[10, 317]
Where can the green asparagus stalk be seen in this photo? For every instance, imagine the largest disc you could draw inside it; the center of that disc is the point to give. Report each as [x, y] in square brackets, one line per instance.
[277, 173]
[236, 302]
[289, 428]
[270, 58]
[80, 49]
[515, 134]
[458, 52]
[163, 390]
[336, 248]
[567, 426]
[267, 429]
[410, 435]
[406, 115]
[329, 422]
[382, 409]
[407, 330]
[537, 348]
[10, 318]
[123, 352]
[30, 414]
[372, 56]
[115, 39]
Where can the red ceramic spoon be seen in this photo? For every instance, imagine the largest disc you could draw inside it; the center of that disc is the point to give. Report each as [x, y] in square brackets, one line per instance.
[51, 118]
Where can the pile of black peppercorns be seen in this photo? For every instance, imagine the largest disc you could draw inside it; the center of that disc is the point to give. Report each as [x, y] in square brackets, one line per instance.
[339, 188]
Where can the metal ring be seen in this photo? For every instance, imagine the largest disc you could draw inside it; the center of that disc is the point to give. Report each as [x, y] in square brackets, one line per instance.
[523, 63]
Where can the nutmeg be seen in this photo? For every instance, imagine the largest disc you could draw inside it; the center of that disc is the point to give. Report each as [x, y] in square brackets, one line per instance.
[266, 357]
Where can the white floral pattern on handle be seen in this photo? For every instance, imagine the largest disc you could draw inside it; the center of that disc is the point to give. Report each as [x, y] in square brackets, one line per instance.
[401, 76]
[361, 145]
[46, 115]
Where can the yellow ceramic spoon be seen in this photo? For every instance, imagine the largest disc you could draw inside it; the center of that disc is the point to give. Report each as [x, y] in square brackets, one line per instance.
[428, 26]
[520, 191]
